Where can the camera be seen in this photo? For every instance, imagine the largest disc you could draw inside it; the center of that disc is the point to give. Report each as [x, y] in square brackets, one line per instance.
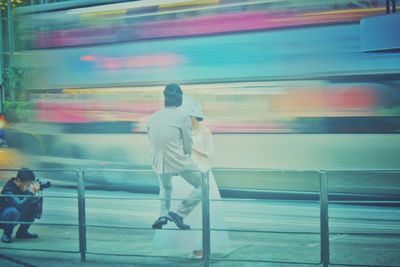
[43, 183]
[39, 200]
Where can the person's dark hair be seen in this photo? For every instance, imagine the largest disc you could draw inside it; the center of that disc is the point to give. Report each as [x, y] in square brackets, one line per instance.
[25, 174]
[173, 95]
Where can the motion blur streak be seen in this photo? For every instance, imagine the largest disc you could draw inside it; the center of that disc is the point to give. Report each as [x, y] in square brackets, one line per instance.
[283, 84]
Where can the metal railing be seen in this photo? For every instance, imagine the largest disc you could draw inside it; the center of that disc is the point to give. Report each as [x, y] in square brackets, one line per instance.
[80, 195]
[206, 245]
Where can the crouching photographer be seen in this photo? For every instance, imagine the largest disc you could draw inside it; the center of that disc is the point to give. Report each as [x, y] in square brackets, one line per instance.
[19, 203]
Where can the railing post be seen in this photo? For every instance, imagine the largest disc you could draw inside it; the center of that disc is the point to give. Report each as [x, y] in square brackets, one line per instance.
[205, 218]
[82, 214]
[1, 57]
[10, 35]
[324, 221]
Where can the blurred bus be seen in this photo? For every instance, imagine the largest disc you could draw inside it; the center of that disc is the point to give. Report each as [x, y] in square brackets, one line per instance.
[283, 84]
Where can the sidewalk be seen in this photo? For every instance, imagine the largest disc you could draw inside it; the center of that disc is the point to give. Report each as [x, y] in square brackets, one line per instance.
[288, 231]
[64, 260]
[71, 260]
[361, 250]
[121, 242]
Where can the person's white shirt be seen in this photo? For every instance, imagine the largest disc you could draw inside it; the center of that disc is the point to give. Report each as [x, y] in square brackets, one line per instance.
[169, 132]
[203, 148]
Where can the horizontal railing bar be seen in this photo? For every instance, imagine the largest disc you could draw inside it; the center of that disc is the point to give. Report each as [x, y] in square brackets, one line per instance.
[44, 196]
[252, 170]
[218, 169]
[120, 170]
[219, 259]
[213, 200]
[132, 227]
[134, 255]
[367, 234]
[42, 250]
[199, 229]
[265, 231]
[57, 224]
[215, 169]
[24, 222]
[365, 219]
[305, 170]
[262, 260]
[262, 170]
[265, 200]
[126, 198]
[192, 229]
[360, 265]
[43, 170]
[361, 170]
[366, 201]
[157, 198]
[219, 200]
[130, 198]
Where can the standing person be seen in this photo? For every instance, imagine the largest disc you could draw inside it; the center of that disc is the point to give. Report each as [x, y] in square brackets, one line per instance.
[18, 203]
[170, 136]
[203, 155]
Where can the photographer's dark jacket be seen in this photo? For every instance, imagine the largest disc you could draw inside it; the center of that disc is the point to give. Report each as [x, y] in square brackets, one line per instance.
[13, 196]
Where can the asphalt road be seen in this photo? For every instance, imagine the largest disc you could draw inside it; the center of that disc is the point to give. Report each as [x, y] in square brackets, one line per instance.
[360, 234]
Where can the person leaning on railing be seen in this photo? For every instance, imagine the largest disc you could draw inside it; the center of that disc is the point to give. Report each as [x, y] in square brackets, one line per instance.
[18, 203]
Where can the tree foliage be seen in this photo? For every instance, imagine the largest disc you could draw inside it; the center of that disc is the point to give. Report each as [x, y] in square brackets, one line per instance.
[15, 80]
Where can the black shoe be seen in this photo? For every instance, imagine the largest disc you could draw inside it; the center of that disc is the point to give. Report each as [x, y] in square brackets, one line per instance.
[25, 235]
[159, 223]
[6, 238]
[178, 220]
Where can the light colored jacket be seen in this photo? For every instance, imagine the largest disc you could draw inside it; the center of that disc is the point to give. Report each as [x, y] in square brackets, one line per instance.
[169, 132]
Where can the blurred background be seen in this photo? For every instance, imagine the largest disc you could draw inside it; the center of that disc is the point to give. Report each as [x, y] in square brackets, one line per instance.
[283, 85]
